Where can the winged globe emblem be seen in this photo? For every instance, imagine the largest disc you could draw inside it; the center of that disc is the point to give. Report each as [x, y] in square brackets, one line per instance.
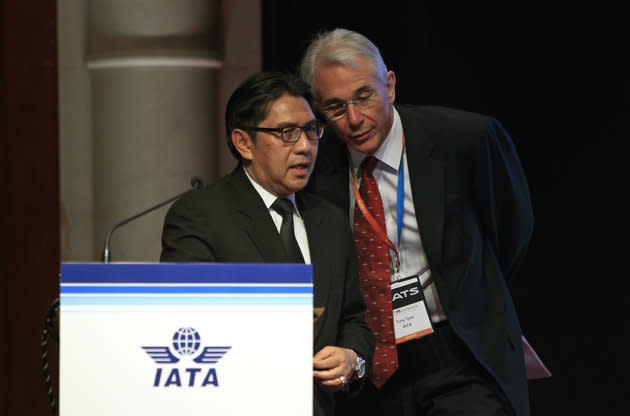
[186, 342]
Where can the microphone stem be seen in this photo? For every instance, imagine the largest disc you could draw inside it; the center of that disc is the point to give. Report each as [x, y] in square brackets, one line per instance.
[106, 253]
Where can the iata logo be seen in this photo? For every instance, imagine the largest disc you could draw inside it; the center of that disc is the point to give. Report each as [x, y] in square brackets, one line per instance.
[186, 343]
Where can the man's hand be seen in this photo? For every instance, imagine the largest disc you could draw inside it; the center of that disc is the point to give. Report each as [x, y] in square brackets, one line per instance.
[333, 367]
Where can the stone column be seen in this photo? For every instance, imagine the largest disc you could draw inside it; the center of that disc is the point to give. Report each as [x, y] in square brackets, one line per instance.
[153, 74]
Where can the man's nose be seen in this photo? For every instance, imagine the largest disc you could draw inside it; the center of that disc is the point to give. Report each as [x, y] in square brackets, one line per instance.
[303, 144]
[354, 115]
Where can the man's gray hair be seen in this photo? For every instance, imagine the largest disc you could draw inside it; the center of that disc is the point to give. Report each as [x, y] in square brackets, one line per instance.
[344, 47]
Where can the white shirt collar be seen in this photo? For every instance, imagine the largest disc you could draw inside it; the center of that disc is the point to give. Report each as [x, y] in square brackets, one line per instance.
[389, 152]
[267, 197]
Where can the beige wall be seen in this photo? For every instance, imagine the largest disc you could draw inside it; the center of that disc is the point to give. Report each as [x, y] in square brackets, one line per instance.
[142, 87]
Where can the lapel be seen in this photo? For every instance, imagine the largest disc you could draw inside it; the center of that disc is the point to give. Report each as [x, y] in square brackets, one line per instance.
[426, 174]
[253, 216]
[319, 247]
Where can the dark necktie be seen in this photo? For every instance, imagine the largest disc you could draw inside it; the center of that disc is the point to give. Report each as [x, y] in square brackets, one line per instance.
[375, 277]
[284, 207]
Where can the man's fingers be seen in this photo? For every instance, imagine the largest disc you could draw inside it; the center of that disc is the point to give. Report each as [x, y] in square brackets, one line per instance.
[333, 384]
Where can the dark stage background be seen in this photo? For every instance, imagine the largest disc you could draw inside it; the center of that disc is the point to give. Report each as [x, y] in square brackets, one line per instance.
[557, 77]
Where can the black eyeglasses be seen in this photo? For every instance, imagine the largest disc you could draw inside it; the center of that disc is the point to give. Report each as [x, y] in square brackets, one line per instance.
[291, 134]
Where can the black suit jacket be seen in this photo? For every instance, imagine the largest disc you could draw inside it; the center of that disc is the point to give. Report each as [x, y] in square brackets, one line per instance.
[228, 222]
[475, 218]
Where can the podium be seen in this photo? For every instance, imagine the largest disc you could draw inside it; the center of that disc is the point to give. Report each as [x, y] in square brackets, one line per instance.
[163, 339]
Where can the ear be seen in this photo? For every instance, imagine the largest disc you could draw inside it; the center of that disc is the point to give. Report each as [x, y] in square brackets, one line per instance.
[390, 86]
[243, 142]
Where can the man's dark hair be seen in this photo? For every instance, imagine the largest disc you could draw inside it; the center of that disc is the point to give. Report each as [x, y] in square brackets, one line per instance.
[249, 103]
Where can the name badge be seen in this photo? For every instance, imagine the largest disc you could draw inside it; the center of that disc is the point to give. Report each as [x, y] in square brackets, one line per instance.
[411, 317]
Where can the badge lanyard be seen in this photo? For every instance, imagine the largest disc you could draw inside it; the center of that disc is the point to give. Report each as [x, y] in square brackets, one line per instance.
[400, 199]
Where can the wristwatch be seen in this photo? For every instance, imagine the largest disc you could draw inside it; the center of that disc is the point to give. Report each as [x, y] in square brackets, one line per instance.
[359, 367]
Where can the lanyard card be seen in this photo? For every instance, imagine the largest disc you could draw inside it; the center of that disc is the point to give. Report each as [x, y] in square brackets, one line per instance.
[411, 317]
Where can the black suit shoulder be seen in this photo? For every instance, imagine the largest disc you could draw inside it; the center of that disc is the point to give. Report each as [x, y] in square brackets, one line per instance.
[446, 128]
[229, 192]
[210, 223]
[204, 200]
[443, 119]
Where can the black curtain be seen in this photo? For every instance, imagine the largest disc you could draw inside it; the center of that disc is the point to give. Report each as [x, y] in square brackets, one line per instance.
[556, 75]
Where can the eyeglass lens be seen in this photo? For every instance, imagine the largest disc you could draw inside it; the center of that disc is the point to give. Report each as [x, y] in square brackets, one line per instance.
[292, 134]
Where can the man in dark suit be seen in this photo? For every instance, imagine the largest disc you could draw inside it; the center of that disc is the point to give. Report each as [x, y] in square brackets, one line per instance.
[274, 134]
[457, 221]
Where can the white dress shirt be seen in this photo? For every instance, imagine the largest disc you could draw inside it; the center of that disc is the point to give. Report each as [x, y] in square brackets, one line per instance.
[413, 260]
[298, 223]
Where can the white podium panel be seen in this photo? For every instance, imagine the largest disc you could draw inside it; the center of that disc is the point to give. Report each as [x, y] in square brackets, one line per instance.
[165, 339]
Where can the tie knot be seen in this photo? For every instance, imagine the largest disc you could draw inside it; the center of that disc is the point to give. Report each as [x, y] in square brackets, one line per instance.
[283, 206]
[367, 166]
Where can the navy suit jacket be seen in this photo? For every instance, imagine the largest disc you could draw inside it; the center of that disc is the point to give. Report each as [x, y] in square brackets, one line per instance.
[228, 222]
[475, 218]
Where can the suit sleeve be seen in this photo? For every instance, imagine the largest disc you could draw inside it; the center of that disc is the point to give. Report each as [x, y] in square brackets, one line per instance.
[502, 195]
[182, 236]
